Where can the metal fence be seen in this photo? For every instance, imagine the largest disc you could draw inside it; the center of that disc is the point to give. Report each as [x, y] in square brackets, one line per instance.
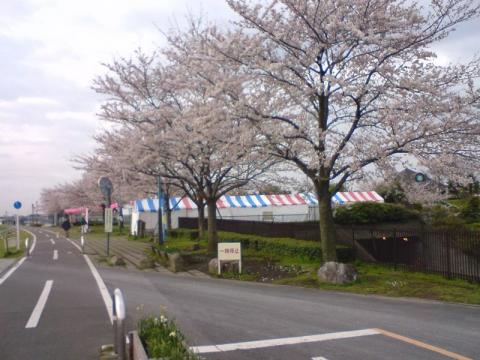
[454, 254]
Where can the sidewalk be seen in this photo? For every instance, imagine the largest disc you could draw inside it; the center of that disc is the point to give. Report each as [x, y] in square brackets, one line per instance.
[132, 252]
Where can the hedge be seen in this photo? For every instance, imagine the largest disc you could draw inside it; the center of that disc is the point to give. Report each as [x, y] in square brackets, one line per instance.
[374, 213]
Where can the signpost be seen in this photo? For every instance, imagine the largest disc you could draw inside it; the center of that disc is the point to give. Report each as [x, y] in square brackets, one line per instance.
[106, 188]
[229, 252]
[160, 222]
[17, 205]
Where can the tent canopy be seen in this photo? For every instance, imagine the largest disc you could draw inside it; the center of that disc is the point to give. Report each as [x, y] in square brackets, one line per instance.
[256, 201]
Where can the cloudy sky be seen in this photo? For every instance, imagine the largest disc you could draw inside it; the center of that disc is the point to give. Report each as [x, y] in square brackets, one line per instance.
[51, 50]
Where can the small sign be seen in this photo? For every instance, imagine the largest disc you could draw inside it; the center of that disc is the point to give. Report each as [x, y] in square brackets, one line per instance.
[17, 205]
[108, 220]
[229, 252]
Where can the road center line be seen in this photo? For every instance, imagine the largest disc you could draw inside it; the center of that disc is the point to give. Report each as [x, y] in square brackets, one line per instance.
[37, 311]
[55, 255]
[423, 345]
[52, 241]
[283, 341]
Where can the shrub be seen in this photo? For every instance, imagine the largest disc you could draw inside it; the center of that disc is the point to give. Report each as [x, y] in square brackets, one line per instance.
[162, 339]
[284, 247]
[471, 212]
[374, 213]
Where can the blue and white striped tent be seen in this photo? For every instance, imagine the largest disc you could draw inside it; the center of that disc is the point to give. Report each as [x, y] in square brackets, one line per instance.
[258, 201]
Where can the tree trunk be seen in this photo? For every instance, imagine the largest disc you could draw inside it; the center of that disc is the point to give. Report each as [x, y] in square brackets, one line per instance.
[327, 226]
[201, 221]
[212, 226]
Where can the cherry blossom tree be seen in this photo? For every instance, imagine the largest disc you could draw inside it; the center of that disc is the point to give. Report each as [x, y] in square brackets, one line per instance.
[340, 86]
[183, 112]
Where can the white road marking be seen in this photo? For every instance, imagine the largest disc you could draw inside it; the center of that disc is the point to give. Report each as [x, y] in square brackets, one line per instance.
[55, 255]
[283, 341]
[71, 242]
[52, 241]
[107, 299]
[319, 358]
[37, 311]
[19, 262]
[102, 287]
[10, 272]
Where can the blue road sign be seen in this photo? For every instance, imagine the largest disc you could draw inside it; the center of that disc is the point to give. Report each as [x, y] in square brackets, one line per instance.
[17, 205]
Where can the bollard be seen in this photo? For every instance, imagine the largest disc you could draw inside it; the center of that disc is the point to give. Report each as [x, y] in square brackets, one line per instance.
[82, 242]
[119, 324]
[27, 247]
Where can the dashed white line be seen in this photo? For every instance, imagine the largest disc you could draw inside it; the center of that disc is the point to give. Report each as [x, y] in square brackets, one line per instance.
[52, 241]
[319, 358]
[55, 255]
[38, 309]
[283, 341]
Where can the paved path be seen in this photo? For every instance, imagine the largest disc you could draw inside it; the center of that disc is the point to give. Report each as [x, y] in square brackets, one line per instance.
[132, 251]
[50, 306]
[215, 312]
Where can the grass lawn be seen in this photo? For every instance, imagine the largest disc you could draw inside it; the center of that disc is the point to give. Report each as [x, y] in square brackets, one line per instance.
[282, 266]
[12, 253]
[94, 232]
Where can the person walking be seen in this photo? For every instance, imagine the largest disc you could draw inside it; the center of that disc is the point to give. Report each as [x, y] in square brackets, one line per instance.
[66, 226]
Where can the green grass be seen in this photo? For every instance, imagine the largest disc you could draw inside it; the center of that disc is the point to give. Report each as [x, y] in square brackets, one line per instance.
[384, 280]
[374, 279]
[12, 253]
[95, 232]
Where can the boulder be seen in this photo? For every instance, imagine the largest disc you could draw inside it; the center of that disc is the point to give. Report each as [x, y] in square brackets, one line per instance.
[337, 273]
[116, 261]
[175, 262]
[213, 266]
[146, 263]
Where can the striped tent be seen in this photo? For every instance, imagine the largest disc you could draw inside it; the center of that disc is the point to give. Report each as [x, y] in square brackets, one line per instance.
[257, 201]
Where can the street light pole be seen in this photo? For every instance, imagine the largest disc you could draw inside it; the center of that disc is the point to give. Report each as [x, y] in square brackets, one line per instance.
[160, 225]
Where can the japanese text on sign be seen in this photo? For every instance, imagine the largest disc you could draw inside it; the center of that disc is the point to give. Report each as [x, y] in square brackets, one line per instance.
[229, 251]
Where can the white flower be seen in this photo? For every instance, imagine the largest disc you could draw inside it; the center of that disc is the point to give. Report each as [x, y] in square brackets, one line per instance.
[172, 334]
[163, 319]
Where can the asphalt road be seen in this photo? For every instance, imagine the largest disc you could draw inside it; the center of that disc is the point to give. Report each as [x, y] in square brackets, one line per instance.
[215, 312]
[222, 319]
[72, 324]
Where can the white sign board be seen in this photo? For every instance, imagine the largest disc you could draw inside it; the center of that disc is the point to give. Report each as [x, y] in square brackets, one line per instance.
[229, 252]
[108, 220]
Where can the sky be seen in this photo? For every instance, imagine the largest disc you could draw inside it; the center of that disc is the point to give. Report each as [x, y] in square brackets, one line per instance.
[50, 52]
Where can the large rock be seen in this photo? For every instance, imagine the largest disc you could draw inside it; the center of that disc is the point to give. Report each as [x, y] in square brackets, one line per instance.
[116, 261]
[175, 262]
[213, 266]
[227, 266]
[337, 273]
